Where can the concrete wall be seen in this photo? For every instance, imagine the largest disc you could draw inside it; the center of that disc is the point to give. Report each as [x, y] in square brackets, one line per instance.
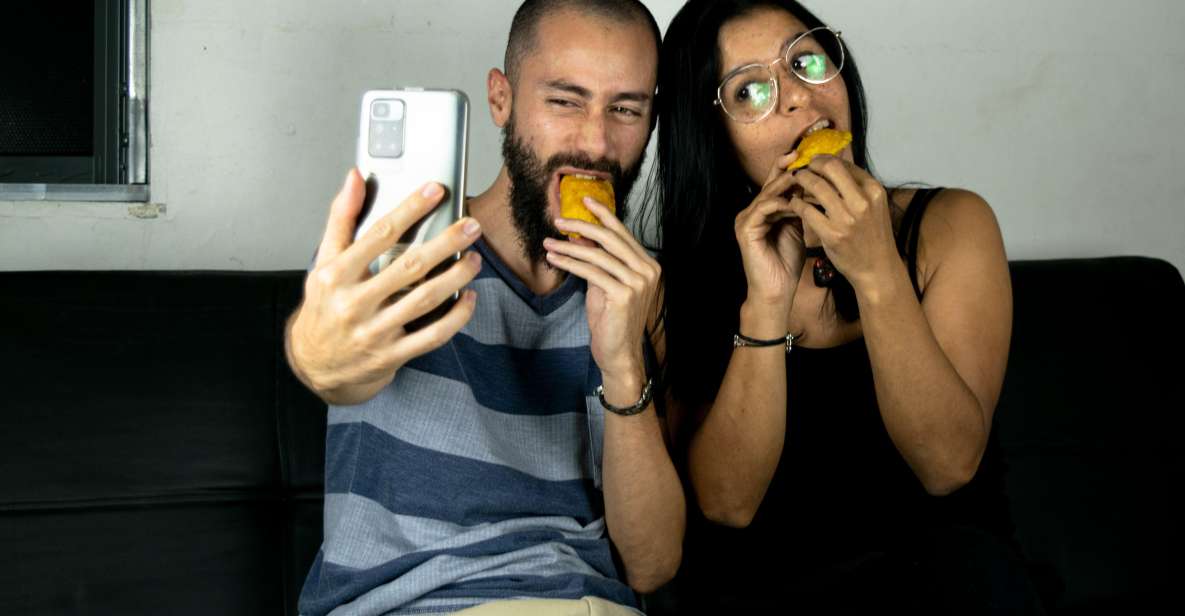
[1064, 114]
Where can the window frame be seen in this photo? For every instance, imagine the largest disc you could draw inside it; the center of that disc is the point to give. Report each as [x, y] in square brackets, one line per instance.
[117, 170]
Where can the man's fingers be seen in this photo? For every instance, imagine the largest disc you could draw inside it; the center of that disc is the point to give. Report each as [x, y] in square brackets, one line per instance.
[427, 296]
[415, 264]
[343, 218]
[595, 256]
[435, 335]
[610, 221]
[385, 232]
[594, 275]
[627, 250]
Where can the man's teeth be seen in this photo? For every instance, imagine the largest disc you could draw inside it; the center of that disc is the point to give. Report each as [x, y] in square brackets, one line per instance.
[583, 176]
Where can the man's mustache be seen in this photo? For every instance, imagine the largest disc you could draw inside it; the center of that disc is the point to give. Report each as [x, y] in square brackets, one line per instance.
[612, 167]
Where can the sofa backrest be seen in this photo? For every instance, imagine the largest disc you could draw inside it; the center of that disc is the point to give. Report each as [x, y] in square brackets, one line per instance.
[1090, 421]
[157, 456]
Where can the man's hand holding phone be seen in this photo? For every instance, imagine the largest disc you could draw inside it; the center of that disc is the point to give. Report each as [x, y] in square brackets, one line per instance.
[347, 340]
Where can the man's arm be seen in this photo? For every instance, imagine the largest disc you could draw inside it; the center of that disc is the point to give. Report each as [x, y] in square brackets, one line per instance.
[644, 503]
[645, 508]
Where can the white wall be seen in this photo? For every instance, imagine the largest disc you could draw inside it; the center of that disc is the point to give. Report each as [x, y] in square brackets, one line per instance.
[1064, 114]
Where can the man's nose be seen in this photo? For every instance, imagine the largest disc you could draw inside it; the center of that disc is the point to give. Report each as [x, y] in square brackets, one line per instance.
[594, 136]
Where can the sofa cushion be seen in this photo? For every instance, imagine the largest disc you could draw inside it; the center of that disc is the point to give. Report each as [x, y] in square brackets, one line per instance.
[157, 455]
[155, 444]
[1090, 421]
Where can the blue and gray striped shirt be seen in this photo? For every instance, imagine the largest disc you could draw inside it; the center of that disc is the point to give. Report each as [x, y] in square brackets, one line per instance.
[476, 475]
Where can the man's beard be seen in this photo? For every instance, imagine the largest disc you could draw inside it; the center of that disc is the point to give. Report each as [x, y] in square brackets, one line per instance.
[530, 179]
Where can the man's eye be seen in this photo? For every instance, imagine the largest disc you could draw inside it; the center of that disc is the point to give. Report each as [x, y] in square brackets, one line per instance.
[626, 111]
[559, 102]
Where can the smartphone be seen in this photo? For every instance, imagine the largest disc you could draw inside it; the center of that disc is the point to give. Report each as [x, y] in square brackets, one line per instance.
[408, 137]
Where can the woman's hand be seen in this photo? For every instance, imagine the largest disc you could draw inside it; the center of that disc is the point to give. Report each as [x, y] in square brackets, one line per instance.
[769, 234]
[854, 226]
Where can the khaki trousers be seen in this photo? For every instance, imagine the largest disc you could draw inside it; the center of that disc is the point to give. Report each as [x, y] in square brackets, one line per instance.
[588, 606]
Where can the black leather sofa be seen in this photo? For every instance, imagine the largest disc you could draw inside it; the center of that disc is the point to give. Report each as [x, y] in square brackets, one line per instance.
[158, 457]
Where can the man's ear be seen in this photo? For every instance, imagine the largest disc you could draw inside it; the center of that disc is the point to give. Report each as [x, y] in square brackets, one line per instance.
[500, 96]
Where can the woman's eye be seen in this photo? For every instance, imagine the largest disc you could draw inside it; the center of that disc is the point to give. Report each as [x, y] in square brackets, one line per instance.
[755, 93]
[812, 65]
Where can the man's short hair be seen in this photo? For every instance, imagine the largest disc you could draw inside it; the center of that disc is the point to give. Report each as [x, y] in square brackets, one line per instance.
[524, 29]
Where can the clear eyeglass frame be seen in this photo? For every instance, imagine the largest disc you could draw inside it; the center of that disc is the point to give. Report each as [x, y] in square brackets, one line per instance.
[786, 59]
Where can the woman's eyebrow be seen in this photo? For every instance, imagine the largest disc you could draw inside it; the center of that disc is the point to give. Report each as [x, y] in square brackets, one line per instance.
[781, 51]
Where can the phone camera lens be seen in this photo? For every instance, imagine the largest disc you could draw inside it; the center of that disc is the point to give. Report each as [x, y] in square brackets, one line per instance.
[382, 110]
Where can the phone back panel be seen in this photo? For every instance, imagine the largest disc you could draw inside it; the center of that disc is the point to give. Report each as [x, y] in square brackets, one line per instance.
[407, 138]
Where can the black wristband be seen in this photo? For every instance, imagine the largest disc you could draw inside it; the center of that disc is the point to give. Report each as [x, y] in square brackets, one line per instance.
[741, 340]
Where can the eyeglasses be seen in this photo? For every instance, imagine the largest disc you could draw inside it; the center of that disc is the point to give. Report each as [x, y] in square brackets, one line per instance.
[749, 93]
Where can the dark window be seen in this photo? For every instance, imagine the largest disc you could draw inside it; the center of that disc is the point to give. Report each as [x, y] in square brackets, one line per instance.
[63, 93]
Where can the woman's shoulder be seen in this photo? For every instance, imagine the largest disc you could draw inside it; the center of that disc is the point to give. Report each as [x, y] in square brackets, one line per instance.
[954, 208]
[958, 226]
[957, 215]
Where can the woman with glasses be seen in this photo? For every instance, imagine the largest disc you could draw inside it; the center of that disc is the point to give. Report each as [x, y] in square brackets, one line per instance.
[833, 348]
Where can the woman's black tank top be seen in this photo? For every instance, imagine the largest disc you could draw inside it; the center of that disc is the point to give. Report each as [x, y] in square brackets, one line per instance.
[842, 490]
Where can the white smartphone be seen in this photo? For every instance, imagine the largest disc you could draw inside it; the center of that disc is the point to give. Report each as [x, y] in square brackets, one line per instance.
[406, 138]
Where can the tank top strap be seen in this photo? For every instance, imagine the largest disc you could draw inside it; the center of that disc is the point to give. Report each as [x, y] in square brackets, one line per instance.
[911, 231]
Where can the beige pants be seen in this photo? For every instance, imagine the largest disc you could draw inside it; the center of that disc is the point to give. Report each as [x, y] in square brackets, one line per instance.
[588, 606]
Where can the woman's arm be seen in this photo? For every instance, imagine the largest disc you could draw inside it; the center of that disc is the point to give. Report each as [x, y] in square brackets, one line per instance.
[736, 443]
[939, 366]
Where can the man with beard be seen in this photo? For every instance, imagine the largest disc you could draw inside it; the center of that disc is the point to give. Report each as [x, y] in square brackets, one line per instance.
[472, 465]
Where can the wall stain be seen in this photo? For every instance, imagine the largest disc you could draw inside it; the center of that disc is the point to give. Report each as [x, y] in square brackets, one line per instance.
[146, 211]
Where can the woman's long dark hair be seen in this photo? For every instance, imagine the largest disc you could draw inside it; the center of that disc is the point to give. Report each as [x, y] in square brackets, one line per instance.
[701, 189]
